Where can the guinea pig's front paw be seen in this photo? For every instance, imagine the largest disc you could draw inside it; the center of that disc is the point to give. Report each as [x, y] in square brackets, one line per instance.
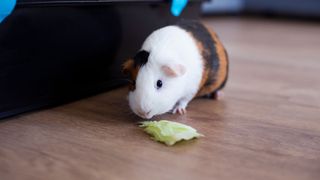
[181, 106]
[180, 110]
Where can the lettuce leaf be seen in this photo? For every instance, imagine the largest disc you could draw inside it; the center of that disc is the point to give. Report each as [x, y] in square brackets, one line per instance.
[169, 132]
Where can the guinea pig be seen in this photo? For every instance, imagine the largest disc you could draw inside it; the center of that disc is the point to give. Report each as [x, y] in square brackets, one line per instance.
[175, 64]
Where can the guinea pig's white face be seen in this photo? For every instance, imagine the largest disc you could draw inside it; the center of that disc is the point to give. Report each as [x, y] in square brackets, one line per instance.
[155, 90]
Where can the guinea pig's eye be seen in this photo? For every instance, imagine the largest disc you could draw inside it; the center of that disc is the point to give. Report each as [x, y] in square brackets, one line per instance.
[159, 84]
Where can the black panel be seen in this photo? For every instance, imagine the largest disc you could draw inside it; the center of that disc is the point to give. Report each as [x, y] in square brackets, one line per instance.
[53, 54]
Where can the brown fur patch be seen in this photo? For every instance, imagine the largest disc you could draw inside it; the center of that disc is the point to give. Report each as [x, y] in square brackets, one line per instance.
[223, 61]
[222, 73]
[128, 68]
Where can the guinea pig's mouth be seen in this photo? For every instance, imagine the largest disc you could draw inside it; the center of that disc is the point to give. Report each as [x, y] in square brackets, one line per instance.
[144, 115]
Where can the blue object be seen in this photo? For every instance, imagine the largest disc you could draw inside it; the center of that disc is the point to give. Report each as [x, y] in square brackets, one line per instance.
[177, 6]
[6, 7]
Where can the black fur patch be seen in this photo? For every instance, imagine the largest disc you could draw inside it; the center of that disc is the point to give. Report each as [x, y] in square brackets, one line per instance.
[200, 33]
[141, 58]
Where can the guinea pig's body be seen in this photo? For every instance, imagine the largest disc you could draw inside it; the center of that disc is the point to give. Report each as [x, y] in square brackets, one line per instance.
[175, 64]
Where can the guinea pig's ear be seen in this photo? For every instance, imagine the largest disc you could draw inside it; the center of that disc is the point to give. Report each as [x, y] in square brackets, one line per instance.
[127, 66]
[174, 70]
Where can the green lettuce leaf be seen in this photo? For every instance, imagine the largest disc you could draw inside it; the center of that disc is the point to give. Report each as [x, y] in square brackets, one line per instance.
[169, 132]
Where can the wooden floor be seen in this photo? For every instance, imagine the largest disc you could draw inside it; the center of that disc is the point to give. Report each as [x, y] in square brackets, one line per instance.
[266, 127]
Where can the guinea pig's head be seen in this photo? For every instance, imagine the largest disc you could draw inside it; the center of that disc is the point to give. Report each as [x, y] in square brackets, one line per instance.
[156, 84]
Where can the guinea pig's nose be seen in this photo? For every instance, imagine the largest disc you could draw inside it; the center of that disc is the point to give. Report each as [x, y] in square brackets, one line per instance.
[144, 114]
[148, 115]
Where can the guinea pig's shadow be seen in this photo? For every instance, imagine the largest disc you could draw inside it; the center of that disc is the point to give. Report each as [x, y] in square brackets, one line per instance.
[101, 108]
[115, 107]
[180, 144]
